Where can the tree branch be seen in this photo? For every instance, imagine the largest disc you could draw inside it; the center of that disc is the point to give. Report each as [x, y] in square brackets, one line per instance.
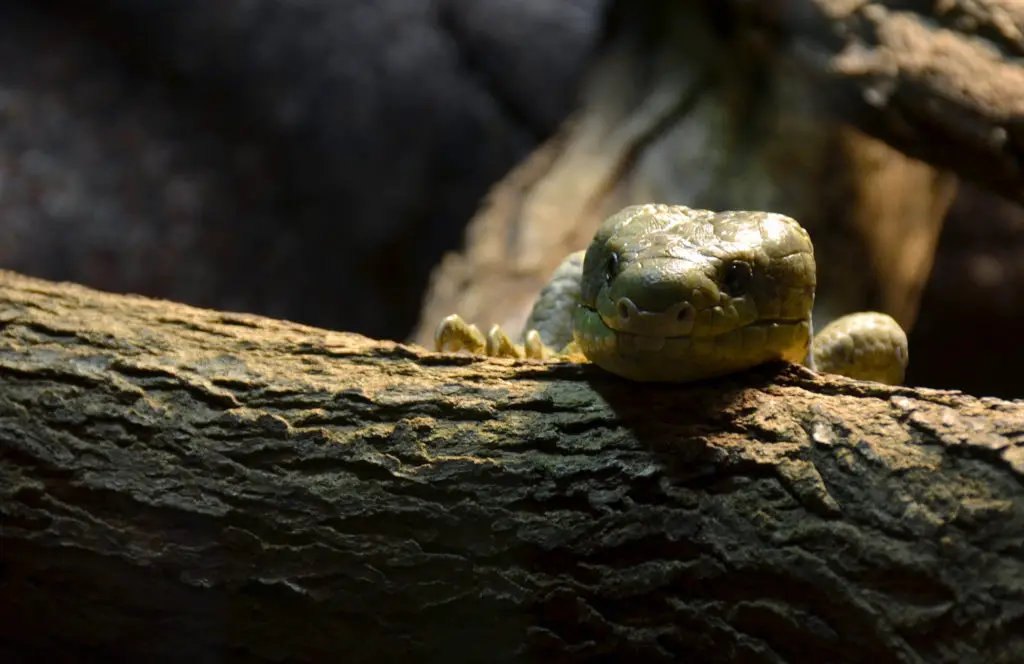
[181, 485]
[941, 81]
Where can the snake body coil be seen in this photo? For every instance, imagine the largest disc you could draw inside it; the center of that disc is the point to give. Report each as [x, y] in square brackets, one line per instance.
[671, 293]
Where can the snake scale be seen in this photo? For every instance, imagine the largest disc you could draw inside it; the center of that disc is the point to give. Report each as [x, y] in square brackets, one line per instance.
[672, 293]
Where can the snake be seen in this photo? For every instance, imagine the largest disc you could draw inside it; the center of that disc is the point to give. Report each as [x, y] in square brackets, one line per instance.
[670, 293]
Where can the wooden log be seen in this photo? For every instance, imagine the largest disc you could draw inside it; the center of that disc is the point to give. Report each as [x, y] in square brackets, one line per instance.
[183, 485]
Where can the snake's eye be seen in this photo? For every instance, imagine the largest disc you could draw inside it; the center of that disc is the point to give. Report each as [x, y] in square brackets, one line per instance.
[737, 277]
[611, 268]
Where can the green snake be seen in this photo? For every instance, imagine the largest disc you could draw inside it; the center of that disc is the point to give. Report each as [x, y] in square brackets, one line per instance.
[672, 293]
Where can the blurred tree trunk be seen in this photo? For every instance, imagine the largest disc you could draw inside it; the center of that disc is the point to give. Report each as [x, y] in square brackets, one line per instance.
[821, 110]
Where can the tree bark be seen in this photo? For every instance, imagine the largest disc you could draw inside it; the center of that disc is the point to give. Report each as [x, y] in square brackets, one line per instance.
[183, 485]
[940, 81]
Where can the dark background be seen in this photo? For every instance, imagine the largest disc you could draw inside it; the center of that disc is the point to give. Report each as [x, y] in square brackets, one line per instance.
[308, 160]
[313, 159]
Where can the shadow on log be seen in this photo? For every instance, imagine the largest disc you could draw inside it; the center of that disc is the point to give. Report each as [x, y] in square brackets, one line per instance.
[182, 485]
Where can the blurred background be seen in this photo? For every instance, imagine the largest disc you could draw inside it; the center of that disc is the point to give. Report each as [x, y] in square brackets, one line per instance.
[372, 165]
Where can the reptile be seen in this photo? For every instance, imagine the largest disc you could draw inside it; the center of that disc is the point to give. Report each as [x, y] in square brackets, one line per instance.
[673, 293]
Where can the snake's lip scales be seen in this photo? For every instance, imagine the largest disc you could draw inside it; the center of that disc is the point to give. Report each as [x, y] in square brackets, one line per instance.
[661, 340]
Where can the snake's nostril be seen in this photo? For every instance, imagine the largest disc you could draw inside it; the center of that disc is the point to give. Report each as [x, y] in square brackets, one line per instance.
[623, 309]
[686, 313]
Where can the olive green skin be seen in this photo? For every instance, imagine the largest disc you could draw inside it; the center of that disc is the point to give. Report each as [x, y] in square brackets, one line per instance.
[670, 293]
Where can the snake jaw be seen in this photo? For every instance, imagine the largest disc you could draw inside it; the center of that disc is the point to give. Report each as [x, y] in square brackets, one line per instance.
[687, 358]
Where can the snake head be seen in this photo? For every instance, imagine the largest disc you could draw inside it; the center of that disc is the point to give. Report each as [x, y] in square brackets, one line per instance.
[670, 293]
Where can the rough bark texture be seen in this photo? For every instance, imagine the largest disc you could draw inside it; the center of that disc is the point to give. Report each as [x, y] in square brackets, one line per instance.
[941, 81]
[182, 485]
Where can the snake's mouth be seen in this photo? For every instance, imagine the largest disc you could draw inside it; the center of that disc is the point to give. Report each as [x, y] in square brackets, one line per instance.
[629, 342]
[652, 357]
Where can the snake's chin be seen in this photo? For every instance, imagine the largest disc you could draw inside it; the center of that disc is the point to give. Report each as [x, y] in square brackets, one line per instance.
[688, 358]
